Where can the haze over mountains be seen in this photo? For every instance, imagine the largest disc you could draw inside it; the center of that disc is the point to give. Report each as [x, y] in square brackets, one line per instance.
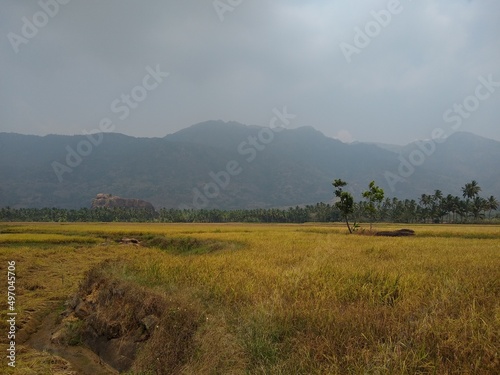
[245, 167]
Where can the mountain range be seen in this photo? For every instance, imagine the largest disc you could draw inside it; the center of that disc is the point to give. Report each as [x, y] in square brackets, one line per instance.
[228, 165]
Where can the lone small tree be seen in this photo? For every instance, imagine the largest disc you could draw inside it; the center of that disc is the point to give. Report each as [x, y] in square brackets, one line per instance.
[374, 195]
[345, 203]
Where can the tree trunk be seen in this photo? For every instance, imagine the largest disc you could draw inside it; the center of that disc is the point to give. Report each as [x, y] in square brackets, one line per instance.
[348, 226]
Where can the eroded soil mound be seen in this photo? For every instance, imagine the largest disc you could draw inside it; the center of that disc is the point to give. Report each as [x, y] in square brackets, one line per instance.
[396, 233]
[129, 327]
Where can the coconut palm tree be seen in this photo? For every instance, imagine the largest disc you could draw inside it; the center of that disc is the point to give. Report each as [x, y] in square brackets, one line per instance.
[448, 206]
[470, 191]
[437, 207]
[492, 205]
[478, 205]
[425, 203]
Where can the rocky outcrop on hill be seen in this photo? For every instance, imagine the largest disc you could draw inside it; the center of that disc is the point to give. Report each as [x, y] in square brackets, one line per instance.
[111, 201]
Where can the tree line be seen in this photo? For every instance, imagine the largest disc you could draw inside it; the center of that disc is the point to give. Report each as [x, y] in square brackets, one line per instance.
[433, 208]
[374, 207]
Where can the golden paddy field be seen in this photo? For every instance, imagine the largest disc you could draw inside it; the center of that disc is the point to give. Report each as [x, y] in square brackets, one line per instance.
[273, 299]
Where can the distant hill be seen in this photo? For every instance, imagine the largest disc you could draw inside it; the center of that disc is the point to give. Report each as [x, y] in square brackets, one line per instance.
[291, 167]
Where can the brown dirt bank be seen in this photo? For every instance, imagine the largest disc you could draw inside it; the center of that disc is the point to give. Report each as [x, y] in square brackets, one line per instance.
[129, 327]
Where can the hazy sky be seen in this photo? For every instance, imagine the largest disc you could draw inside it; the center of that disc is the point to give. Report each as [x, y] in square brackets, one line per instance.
[240, 62]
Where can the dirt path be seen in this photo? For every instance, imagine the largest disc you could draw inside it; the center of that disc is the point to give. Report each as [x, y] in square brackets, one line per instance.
[82, 360]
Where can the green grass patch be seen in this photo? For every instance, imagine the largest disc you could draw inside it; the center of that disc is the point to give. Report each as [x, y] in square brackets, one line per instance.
[50, 238]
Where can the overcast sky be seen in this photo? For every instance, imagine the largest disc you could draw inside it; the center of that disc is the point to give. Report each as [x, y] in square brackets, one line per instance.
[244, 60]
